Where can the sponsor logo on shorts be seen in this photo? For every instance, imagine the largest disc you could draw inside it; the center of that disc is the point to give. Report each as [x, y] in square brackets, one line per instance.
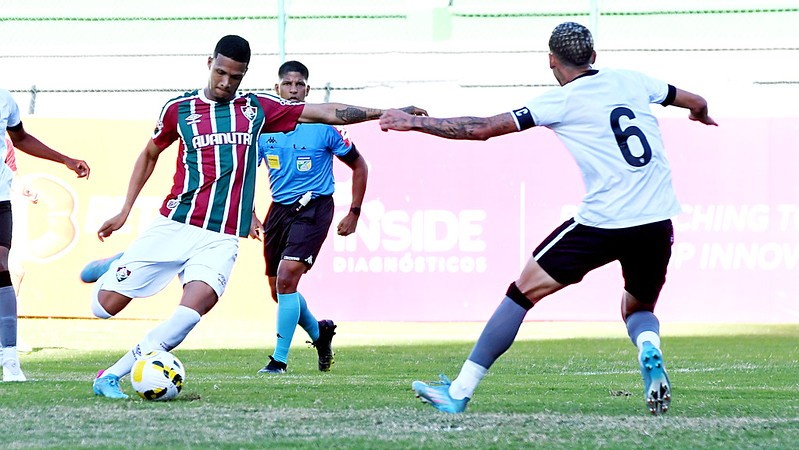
[122, 273]
[221, 279]
[172, 204]
[309, 260]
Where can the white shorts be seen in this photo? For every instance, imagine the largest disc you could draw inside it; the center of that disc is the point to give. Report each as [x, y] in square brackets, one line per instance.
[170, 248]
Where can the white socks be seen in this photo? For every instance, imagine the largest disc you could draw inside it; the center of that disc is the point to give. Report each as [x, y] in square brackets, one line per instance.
[467, 381]
[647, 336]
[166, 336]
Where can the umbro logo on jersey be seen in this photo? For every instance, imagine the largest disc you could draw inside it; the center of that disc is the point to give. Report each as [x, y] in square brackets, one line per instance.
[193, 119]
[249, 112]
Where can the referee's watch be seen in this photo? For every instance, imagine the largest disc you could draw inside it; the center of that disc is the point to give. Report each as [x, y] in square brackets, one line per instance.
[356, 210]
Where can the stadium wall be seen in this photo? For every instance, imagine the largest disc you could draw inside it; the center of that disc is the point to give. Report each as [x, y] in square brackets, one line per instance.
[449, 223]
[93, 76]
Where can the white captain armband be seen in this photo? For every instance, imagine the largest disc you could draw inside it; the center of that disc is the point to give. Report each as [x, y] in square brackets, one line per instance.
[523, 117]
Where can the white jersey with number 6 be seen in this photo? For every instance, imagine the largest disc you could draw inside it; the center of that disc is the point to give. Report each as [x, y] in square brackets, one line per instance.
[604, 119]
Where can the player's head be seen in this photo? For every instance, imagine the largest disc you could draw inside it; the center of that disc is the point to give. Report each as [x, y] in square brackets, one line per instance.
[234, 47]
[228, 66]
[292, 81]
[572, 44]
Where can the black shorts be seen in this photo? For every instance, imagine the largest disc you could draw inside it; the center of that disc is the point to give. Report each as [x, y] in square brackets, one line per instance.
[573, 250]
[296, 236]
[6, 222]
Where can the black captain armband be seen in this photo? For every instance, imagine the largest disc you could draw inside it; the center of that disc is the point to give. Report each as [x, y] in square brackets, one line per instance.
[524, 119]
[350, 156]
[670, 96]
[16, 127]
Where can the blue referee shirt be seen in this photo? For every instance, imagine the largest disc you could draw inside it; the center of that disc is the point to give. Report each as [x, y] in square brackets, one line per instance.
[302, 160]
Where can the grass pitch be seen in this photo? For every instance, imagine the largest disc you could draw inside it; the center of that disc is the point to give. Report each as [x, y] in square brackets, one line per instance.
[730, 391]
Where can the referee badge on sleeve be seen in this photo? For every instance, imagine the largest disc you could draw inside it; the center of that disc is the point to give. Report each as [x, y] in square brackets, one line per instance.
[273, 161]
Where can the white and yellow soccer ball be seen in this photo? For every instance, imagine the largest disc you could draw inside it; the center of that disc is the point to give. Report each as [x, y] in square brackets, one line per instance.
[158, 375]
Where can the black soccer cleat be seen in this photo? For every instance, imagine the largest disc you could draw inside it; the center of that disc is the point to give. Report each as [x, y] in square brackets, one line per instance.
[324, 347]
[274, 366]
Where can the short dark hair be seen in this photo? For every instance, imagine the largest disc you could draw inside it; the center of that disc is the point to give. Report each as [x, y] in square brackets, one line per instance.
[234, 47]
[292, 66]
[572, 43]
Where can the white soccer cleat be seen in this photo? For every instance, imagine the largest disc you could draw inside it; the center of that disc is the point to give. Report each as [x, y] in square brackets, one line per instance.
[12, 371]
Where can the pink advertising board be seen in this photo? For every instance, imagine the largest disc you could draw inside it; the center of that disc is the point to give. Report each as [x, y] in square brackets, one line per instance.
[447, 225]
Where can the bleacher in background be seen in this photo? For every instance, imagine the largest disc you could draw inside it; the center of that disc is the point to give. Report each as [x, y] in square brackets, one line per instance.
[124, 59]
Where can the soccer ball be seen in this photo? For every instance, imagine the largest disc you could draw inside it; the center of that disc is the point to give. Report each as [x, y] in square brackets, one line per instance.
[158, 375]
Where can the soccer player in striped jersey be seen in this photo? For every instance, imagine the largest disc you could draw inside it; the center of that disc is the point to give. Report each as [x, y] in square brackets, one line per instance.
[603, 118]
[209, 206]
[300, 165]
[11, 123]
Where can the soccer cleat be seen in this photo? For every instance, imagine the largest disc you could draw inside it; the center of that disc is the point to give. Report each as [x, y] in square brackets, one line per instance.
[12, 371]
[437, 394]
[94, 270]
[657, 389]
[274, 366]
[107, 386]
[324, 345]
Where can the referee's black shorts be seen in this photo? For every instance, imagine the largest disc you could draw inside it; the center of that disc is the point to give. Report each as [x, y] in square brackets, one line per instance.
[296, 236]
[6, 226]
[573, 250]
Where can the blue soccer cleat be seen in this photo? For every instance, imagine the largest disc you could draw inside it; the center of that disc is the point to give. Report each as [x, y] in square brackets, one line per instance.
[94, 270]
[657, 389]
[437, 394]
[107, 386]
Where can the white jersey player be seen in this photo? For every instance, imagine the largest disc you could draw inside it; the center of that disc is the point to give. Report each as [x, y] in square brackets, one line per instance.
[603, 118]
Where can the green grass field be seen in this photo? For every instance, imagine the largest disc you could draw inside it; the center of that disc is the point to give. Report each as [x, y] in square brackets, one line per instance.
[730, 391]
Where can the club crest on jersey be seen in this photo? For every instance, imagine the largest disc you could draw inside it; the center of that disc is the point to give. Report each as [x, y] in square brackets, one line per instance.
[193, 119]
[249, 112]
[304, 163]
[122, 273]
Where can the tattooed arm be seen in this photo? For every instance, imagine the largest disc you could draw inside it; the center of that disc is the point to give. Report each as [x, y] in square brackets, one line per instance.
[473, 128]
[341, 114]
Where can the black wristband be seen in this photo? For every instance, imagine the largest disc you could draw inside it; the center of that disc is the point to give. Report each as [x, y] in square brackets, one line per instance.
[356, 210]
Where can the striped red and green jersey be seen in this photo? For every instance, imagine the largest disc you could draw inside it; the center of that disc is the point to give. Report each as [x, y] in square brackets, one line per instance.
[214, 183]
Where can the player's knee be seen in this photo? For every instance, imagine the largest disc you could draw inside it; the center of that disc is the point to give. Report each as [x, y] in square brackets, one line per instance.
[518, 296]
[97, 308]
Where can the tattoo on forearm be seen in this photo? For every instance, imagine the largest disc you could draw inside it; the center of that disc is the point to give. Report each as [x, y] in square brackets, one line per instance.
[353, 114]
[456, 128]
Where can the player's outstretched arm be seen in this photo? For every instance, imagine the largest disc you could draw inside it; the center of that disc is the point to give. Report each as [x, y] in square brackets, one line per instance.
[34, 147]
[696, 104]
[472, 128]
[142, 169]
[341, 114]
